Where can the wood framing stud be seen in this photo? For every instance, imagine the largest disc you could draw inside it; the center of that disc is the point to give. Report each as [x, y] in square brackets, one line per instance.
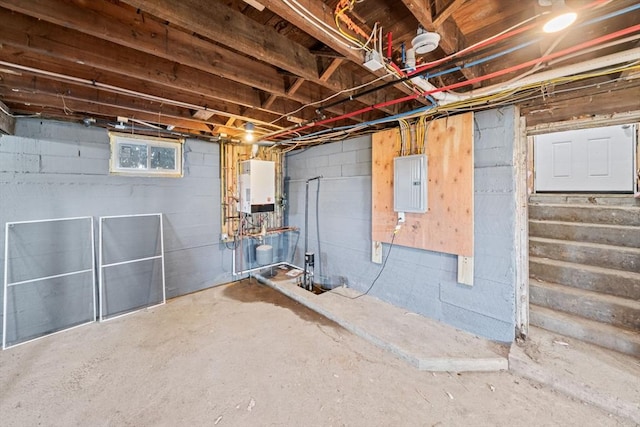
[521, 237]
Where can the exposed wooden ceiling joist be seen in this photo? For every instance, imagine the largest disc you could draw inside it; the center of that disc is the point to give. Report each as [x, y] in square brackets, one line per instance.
[451, 38]
[442, 15]
[215, 64]
[118, 83]
[72, 106]
[231, 28]
[130, 29]
[324, 14]
[65, 92]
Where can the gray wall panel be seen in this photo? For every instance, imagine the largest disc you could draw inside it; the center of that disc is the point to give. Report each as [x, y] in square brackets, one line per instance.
[421, 281]
[53, 170]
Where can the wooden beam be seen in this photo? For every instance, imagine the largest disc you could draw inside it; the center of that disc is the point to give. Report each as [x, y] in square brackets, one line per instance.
[231, 28]
[451, 38]
[269, 102]
[442, 15]
[331, 68]
[419, 9]
[123, 26]
[295, 86]
[605, 99]
[203, 115]
[117, 83]
[521, 238]
[66, 92]
[116, 24]
[72, 106]
[33, 35]
[320, 11]
[7, 121]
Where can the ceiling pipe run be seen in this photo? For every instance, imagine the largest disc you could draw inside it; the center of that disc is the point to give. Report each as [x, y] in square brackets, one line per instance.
[422, 68]
[424, 84]
[630, 55]
[568, 70]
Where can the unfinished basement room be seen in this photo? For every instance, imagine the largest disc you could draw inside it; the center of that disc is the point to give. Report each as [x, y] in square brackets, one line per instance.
[320, 213]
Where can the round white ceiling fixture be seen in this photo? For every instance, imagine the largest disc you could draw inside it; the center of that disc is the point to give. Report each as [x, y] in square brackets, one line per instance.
[425, 41]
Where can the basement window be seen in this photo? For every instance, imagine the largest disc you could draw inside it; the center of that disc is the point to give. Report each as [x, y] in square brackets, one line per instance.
[145, 155]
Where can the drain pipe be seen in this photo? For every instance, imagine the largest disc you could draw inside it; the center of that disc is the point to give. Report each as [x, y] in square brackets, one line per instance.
[424, 84]
[308, 256]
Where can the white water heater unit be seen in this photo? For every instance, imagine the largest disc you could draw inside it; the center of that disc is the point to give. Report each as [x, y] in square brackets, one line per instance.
[257, 186]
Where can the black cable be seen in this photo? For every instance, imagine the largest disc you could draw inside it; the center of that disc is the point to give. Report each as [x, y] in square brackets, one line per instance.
[384, 264]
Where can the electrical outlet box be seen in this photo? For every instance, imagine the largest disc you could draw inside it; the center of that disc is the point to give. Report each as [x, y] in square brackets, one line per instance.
[257, 186]
[373, 61]
[410, 183]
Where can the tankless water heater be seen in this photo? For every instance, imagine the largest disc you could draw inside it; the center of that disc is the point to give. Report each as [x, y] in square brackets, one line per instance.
[257, 186]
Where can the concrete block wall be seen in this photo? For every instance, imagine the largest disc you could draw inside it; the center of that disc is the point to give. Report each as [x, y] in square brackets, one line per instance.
[421, 281]
[55, 170]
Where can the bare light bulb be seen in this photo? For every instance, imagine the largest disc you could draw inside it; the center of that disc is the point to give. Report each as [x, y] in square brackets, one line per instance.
[560, 22]
[248, 131]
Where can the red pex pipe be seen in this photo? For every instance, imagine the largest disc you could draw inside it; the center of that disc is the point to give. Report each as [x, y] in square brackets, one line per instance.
[567, 51]
[389, 45]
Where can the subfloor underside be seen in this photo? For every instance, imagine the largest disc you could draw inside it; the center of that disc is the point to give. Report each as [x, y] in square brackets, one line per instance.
[244, 354]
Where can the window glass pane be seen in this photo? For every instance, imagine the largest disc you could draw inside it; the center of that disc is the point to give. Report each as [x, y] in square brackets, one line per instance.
[145, 156]
[132, 156]
[163, 158]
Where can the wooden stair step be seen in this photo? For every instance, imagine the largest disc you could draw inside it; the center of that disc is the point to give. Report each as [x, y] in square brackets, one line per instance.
[596, 199]
[598, 279]
[601, 334]
[617, 215]
[607, 256]
[607, 234]
[596, 306]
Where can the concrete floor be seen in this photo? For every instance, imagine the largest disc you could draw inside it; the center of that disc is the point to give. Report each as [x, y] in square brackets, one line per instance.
[244, 354]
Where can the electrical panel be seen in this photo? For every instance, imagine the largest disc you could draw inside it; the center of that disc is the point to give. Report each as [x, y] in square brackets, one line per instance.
[410, 183]
[257, 186]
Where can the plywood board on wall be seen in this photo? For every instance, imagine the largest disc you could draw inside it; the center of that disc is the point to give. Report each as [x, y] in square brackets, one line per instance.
[447, 226]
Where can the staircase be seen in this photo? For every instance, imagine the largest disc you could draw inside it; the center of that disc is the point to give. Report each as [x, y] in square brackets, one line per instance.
[584, 267]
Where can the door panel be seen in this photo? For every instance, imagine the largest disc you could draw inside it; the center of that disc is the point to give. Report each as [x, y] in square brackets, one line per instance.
[598, 160]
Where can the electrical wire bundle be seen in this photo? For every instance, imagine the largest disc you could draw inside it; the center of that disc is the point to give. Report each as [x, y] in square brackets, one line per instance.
[475, 99]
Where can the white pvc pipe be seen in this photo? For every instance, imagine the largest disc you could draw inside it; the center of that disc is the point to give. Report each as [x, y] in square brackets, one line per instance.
[630, 55]
[422, 83]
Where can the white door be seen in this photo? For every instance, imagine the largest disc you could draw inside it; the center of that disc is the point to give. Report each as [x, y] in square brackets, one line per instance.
[598, 160]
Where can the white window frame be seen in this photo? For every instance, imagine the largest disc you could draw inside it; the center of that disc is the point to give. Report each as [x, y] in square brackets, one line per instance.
[117, 139]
